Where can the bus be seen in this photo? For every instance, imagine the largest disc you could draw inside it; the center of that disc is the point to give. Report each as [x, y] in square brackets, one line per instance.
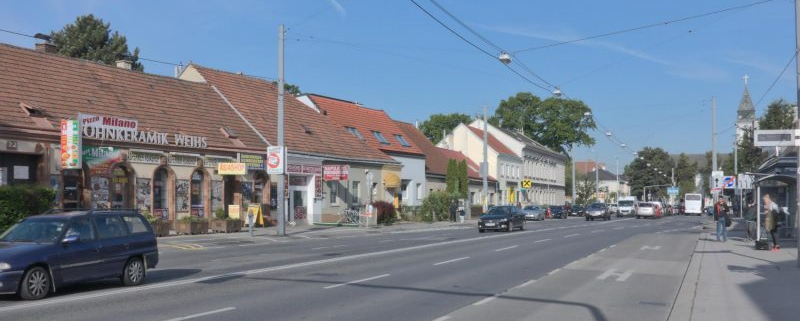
[693, 204]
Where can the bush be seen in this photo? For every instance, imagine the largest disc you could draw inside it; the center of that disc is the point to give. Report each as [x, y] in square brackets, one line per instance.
[437, 203]
[220, 214]
[18, 202]
[385, 211]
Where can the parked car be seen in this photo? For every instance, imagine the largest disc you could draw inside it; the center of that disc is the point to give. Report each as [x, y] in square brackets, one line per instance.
[597, 211]
[578, 210]
[646, 209]
[42, 253]
[506, 217]
[534, 212]
[558, 212]
[612, 208]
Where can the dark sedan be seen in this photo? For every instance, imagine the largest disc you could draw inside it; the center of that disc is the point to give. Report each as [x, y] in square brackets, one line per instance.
[502, 218]
[41, 253]
[558, 212]
[578, 210]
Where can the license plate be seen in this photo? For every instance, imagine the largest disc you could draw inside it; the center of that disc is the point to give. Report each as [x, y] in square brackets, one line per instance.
[489, 224]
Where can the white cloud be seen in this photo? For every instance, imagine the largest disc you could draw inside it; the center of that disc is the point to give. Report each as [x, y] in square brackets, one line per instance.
[338, 6]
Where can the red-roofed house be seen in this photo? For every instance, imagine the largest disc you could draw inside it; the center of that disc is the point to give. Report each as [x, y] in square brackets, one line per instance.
[315, 144]
[504, 164]
[375, 128]
[436, 159]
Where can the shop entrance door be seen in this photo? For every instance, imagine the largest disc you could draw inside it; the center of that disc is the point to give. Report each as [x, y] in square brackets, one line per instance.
[299, 208]
[121, 188]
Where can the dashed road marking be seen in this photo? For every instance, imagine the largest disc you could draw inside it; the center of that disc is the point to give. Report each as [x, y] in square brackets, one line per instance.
[451, 261]
[202, 314]
[506, 248]
[652, 248]
[539, 241]
[571, 235]
[620, 276]
[598, 231]
[356, 281]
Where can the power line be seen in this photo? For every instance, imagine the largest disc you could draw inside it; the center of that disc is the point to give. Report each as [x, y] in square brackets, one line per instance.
[647, 26]
[17, 33]
[777, 78]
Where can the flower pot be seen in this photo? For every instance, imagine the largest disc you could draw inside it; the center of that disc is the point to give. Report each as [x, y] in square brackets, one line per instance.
[191, 227]
[162, 227]
[226, 226]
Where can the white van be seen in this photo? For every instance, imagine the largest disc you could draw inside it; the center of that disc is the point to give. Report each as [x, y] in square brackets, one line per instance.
[693, 204]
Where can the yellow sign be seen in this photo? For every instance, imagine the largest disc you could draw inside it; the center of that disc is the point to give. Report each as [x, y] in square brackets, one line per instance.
[232, 168]
[258, 217]
[511, 196]
[234, 211]
[527, 184]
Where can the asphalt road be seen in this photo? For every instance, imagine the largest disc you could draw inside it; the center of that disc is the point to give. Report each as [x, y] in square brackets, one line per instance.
[624, 269]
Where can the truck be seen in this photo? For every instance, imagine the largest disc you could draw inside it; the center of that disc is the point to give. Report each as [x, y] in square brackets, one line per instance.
[626, 206]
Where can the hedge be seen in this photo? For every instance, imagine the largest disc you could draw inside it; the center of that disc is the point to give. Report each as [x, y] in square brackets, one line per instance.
[18, 202]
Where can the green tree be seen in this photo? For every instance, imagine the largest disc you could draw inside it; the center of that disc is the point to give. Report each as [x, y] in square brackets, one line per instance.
[559, 124]
[291, 89]
[779, 115]
[685, 172]
[585, 190]
[640, 174]
[568, 178]
[438, 123]
[451, 177]
[463, 179]
[750, 156]
[91, 39]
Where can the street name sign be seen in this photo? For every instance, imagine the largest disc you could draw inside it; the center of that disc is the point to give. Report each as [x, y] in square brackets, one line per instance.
[776, 137]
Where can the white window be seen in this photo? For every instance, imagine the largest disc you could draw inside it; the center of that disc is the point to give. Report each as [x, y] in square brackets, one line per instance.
[333, 192]
[420, 191]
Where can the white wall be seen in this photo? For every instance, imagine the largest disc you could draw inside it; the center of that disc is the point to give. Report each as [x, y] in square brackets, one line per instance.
[412, 173]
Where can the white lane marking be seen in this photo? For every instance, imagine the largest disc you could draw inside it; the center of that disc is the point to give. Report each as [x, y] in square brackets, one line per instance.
[506, 248]
[384, 241]
[451, 261]
[612, 246]
[202, 314]
[525, 284]
[619, 227]
[571, 235]
[356, 281]
[327, 247]
[654, 248]
[486, 300]
[602, 250]
[598, 231]
[553, 272]
[545, 240]
[446, 317]
[620, 276]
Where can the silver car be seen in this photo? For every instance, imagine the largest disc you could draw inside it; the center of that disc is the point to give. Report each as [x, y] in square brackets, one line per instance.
[534, 212]
[646, 209]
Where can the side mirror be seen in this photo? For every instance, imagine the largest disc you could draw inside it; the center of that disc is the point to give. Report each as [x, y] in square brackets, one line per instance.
[69, 239]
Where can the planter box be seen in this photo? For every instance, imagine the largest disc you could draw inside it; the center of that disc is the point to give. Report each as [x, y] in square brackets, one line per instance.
[162, 227]
[226, 226]
[191, 227]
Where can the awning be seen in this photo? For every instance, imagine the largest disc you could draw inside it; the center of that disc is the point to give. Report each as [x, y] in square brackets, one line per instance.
[391, 180]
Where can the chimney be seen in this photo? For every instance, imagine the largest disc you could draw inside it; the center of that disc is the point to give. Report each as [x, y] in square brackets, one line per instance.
[46, 47]
[124, 64]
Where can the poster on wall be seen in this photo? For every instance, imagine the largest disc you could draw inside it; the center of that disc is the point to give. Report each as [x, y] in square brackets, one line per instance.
[247, 192]
[100, 191]
[143, 194]
[182, 195]
[100, 159]
[70, 144]
[216, 195]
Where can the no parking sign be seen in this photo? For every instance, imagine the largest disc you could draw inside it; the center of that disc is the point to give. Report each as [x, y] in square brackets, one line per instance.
[276, 160]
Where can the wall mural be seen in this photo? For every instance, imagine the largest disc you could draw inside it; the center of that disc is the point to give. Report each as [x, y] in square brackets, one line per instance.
[216, 195]
[182, 195]
[143, 194]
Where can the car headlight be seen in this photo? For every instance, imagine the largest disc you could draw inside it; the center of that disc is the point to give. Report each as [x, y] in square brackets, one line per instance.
[503, 220]
[4, 266]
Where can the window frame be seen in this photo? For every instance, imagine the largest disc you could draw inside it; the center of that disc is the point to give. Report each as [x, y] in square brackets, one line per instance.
[402, 140]
[333, 193]
[140, 219]
[381, 139]
[107, 216]
[354, 131]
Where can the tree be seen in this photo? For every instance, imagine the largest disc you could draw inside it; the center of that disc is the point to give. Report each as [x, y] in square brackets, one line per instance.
[559, 124]
[463, 179]
[779, 115]
[750, 156]
[456, 178]
[585, 191]
[439, 123]
[293, 90]
[685, 172]
[451, 177]
[568, 178]
[91, 39]
[640, 174]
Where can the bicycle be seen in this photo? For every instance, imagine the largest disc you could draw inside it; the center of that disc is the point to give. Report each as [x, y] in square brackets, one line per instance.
[350, 216]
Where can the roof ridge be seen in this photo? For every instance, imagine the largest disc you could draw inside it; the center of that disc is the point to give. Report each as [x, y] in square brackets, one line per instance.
[257, 78]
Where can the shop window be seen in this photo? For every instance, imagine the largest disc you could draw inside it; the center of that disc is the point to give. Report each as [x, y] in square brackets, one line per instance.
[258, 188]
[420, 191]
[160, 200]
[120, 182]
[196, 190]
[333, 192]
[355, 192]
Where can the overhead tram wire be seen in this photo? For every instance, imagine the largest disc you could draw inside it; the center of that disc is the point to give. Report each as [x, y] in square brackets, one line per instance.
[647, 26]
[777, 78]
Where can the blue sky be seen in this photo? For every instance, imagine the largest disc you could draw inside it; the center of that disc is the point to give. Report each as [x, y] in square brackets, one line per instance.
[650, 87]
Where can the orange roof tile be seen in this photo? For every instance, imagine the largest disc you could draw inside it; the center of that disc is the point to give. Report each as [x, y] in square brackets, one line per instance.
[257, 100]
[366, 121]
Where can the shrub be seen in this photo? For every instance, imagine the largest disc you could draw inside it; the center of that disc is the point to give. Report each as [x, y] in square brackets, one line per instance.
[18, 202]
[220, 214]
[437, 203]
[385, 212]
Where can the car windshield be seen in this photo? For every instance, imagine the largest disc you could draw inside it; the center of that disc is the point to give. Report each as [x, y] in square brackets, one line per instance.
[531, 207]
[625, 203]
[645, 205]
[500, 210]
[35, 230]
[596, 206]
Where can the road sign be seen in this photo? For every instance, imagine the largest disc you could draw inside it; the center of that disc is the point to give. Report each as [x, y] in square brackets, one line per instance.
[716, 190]
[729, 182]
[672, 191]
[745, 181]
[776, 137]
[276, 160]
[527, 184]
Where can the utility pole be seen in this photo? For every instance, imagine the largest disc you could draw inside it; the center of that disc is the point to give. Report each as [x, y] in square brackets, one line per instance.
[485, 164]
[617, 159]
[738, 193]
[573, 181]
[596, 177]
[797, 123]
[281, 198]
[713, 133]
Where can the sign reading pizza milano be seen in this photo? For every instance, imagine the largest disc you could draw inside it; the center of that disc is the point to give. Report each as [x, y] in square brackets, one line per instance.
[127, 130]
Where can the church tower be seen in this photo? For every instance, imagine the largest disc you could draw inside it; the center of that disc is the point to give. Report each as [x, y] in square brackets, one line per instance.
[746, 114]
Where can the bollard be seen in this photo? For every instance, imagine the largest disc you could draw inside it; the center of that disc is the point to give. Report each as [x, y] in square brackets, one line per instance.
[250, 223]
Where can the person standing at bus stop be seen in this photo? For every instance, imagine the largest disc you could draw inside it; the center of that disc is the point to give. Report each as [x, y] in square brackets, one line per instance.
[771, 211]
[721, 216]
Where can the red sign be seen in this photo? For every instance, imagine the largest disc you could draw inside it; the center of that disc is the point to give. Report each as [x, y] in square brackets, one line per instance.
[275, 160]
[336, 172]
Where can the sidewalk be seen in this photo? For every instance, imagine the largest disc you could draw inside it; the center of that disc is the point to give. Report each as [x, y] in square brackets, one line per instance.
[733, 281]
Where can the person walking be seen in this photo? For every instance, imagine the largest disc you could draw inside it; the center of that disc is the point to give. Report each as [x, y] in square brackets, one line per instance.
[721, 216]
[453, 209]
[771, 211]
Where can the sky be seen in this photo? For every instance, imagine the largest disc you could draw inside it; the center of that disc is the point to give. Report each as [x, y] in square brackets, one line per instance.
[650, 87]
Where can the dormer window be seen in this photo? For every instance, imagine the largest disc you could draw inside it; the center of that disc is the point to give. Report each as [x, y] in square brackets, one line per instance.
[380, 137]
[229, 132]
[355, 132]
[307, 129]
[402, 140]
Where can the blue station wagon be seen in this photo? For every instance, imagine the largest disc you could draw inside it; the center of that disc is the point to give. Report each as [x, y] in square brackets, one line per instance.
[41, 253]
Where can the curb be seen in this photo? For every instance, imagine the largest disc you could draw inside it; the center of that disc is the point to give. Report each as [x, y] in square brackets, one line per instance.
[683, 306]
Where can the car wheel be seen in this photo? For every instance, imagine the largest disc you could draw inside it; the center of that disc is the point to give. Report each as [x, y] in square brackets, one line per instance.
[522, 228]
[587, 218]
[510, 227]
[35, 284]
[480, 230]
[133, 274]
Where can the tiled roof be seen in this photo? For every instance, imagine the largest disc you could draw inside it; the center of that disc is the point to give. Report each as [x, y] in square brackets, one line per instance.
[305, 130]
[64, 87]
[365, 120]
[436, 158]
[529, 142]
[494, 143]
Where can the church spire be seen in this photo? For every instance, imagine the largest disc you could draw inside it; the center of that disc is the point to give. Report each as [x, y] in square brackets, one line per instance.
[746, 111]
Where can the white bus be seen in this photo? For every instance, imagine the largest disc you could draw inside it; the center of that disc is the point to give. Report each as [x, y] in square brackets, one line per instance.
[693, 204]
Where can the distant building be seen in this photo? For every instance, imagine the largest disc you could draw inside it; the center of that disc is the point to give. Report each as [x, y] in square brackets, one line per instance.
[745, 114]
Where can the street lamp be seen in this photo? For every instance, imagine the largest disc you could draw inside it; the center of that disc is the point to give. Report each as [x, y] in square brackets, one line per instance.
[505, 58]
[557, 92]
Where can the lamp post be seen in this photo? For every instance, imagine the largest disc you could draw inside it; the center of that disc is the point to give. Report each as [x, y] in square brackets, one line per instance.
[281, 192]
